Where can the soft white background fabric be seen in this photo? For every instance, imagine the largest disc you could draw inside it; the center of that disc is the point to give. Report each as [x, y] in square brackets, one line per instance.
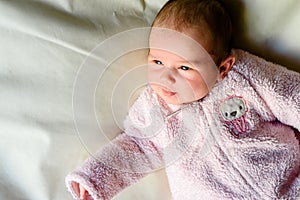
[43, 44]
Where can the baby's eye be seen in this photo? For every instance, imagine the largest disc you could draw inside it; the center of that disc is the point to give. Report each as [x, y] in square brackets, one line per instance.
[185, 68]
[158, 62]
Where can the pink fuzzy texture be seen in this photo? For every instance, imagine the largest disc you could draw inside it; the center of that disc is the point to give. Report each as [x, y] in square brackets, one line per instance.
[201, 156]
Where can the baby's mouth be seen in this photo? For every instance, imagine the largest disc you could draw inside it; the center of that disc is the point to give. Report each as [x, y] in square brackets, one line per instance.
[167, 92]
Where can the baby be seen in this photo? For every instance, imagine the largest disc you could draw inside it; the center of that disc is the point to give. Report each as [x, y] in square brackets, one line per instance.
[223, 123]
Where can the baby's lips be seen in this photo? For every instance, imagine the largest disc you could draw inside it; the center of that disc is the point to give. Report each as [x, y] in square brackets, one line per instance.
[168, 93]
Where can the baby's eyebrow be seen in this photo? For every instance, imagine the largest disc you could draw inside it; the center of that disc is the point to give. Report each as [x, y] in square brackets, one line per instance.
[154, 57]
[182, 61]
[150, 55]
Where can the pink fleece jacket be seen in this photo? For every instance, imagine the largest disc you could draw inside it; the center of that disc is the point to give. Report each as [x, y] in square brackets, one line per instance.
[239, 142]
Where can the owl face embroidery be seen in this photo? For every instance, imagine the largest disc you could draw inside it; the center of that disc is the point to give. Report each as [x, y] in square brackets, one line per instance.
[233, 112]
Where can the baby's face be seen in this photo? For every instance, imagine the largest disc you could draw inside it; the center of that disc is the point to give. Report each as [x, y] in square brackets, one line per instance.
[180, 69]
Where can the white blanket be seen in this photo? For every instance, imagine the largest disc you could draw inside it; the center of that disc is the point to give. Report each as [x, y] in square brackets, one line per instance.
[44, 43]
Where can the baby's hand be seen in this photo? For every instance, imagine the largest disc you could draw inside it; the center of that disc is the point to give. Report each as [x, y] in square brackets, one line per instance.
[81, 191]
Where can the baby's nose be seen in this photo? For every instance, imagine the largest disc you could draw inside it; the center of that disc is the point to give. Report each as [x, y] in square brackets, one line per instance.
[168, 76]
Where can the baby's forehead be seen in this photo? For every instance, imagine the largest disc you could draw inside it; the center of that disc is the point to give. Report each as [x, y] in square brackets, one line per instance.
[187, 35]
[165, 37]
[186, 44]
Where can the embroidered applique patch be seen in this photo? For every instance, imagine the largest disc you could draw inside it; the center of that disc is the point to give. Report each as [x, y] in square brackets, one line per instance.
[233, 111]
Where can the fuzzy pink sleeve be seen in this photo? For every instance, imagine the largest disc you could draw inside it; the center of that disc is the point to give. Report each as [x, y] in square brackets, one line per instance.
[278, 87]
[128, 158]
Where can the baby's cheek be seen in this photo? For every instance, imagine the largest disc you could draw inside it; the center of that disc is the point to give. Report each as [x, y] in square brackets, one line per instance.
[154, 87]
[199, 88]
[154, 74]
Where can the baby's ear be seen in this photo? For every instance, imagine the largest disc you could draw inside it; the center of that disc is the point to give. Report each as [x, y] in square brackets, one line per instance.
[225, 66]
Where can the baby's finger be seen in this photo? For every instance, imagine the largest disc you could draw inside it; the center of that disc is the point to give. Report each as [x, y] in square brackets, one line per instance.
[82, 192]
[76, 187]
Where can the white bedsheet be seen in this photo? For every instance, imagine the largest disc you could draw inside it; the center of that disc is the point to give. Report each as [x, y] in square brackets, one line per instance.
[44, 43]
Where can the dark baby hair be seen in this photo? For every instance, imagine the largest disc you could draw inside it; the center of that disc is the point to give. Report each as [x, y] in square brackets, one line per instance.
[181, 14]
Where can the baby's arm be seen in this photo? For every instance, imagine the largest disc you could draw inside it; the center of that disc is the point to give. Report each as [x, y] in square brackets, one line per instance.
[278, 87]
[283, 96]
[117, 166]
[121, 163]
